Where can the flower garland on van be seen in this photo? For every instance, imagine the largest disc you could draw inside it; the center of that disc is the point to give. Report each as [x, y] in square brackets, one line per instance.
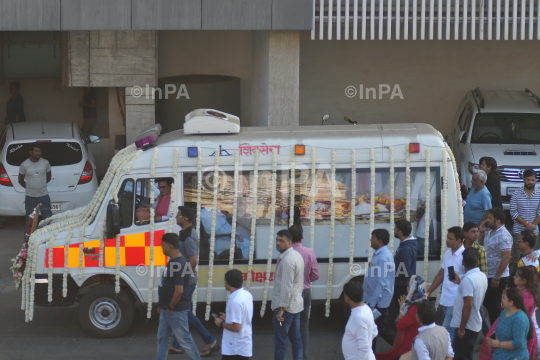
[427, 212]
[392, 199]
[271, 233]
[408, 182]
[293, 187]
[199, 224]
[66, 268]
[312, 196]
[234, 214]
[253, 217]
[372, 205]
[172, 204]
[212, 237]
[353, 215]
[152, 232]
[71, 222]
[332, 233]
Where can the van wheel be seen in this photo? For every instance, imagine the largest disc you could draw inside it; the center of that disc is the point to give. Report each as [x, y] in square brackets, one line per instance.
[105, 314]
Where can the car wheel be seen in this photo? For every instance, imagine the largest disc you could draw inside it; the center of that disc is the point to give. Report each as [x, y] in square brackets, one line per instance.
[105, 314]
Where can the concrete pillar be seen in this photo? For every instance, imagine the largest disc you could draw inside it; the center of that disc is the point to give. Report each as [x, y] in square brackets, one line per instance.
[276, 78]
[140, 111]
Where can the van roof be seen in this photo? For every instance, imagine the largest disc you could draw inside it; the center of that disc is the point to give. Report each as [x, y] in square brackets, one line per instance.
[42, 130]
[508, 101]
[329, 136]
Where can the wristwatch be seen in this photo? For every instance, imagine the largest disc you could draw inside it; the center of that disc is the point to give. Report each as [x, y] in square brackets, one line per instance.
[221, 323]
[281, 309]
[497, 279]
[170, 308]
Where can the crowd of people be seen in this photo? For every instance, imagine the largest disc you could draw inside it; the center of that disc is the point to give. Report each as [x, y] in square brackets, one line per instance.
[484, 265]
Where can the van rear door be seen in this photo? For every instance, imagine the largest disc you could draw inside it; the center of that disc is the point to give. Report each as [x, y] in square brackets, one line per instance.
[65, 156]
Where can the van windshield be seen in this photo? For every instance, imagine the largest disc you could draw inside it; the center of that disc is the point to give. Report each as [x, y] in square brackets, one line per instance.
[58, 153]
[506, 129]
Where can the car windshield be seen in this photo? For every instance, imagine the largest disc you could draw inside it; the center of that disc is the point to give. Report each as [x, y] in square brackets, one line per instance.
[506, 129]
[58, 153]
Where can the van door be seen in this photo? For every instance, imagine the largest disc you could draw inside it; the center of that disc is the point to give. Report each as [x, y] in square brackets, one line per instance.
[134, 200]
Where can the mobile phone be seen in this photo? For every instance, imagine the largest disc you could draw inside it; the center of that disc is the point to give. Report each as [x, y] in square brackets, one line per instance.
[451, 273]
[215, 315]
[493, 336]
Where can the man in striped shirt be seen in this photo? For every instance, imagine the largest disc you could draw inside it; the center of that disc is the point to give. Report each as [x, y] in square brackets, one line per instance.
[525, 211]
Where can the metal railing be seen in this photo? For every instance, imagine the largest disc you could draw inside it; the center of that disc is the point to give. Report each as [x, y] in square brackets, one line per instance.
[426, 19]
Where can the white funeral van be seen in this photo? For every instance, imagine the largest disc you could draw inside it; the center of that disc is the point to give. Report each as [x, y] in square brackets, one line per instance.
[183, 156]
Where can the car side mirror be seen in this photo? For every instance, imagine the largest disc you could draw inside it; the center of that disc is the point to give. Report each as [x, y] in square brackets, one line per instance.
[94, 139]
[463, 137]
[113, 220]
[447, 138]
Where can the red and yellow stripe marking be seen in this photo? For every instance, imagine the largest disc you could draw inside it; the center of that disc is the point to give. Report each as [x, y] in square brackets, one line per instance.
[134, 250]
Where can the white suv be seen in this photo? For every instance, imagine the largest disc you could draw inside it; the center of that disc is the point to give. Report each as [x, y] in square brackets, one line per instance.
[73, 182]
[504, 125]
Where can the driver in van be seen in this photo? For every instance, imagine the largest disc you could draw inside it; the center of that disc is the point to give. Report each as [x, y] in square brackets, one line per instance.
[161, 203]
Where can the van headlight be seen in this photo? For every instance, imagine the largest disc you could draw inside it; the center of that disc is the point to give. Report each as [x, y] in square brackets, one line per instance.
[473, 167]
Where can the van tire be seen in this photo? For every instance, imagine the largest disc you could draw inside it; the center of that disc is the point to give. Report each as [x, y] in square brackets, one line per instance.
[105, 314]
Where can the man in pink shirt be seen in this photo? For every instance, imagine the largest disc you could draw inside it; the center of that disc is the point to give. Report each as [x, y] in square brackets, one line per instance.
[311, 274]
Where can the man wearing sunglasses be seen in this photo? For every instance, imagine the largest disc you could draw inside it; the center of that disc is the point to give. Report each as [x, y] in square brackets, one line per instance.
[161, 205]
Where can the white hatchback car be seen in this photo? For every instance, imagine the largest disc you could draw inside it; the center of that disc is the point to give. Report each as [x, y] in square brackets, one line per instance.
[73, 182]
[504, 125]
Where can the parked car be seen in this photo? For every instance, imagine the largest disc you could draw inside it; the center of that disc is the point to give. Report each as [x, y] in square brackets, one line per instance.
[503, 124]
[73, 182]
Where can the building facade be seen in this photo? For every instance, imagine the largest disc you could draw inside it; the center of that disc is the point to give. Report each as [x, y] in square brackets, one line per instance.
[272, 62]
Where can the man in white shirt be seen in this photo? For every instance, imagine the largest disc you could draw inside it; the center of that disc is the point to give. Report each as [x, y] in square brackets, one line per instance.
[470, 296]
[361, 329]
[34, 174]
[452, 258]
[237, 340]
[432, 341]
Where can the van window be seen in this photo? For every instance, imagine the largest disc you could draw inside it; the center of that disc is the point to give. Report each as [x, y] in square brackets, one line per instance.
[303, 203]
[143, 194]
[57, 153]
[125, 203]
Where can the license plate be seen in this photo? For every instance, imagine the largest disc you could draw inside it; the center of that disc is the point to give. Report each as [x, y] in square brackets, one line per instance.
[56, 206]
[510, 191]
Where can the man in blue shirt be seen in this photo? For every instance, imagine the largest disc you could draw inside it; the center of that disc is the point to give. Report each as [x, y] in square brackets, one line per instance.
[479, 199]
[379, 283]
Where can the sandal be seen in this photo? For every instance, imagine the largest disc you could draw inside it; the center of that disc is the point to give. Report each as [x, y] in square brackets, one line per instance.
[210, 351]
[174, 351]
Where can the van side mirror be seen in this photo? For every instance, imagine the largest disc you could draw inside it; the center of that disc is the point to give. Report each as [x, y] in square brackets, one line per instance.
[113, 220]
[463, 137]
[94, 139]
[447, 138]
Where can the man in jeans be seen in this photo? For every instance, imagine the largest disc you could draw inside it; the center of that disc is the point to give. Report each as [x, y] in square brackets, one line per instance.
[498, 244]
[287, 301]
[174, 305]
[34, 174]
[470, 296]
[311, 274]
[379, 283]
[189, 247]
[452, 258]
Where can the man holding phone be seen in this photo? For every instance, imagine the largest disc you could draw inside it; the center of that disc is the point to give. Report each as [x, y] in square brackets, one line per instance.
[237, 340]
[449, 275]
